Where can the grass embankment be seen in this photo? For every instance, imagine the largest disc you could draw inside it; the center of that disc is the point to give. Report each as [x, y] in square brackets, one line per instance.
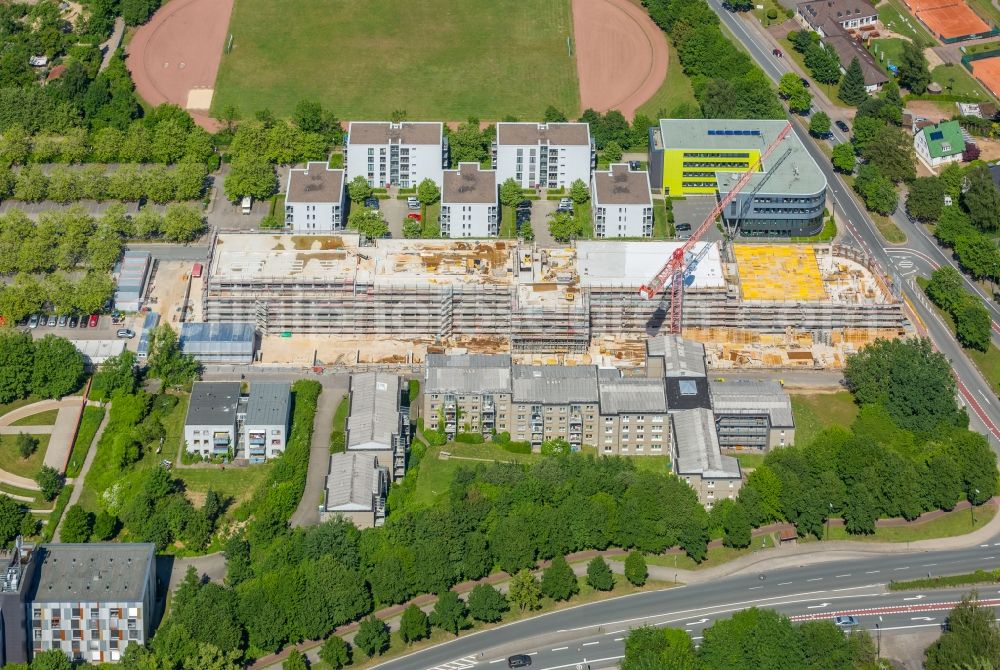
[10, 457]
[815, 411]
[716, 556]
[434, 473]
[950, 524]
[338, 435]
[89, 423]
[676, 88]
[977, 577]
[43, 418]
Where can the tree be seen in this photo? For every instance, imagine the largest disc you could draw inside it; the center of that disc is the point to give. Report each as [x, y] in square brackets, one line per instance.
[449, 613]
[105, 526]
[295, 661]
[413, 625]
[981, 199]
[823, 63]
[49, 481]
[523, 590]
[946, 288]
[876, 190]
[17, 354]
[358, 189]
[510, 193]
[978, 254]
[31, 184]
[368, 222]
[925, 198]
[891, 151]
[852, 86]
[182, 223]
[53, 659]
[843, 158]
[736, 525]
[553, 115]
[913, 72]
[428, 192]
[250, 176]
[487, 604]
[973, 326]
[612, 152]
[11, 517]
[468, 143]
[599, 575]
[860, 511]
[555, 447]
[752, 638]
[791, 88]
[635, 568]
[972, 633]
[649, 648]
[165, 360]
[26, 445]
[971, 153]
[558, 580]
[412, 229]
[372, 636]
[527, 233]
[335, 653]
[578, 192]
[76, 525]
[819, 125]
[564, 226]
[58, 367]
[118, 373]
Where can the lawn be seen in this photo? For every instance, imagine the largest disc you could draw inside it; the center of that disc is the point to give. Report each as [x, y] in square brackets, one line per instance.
[661, 229]
[750, 460]
[897, 18]
[11, 461]
[956, 80]
[676, 89]
[434, 473]
[231, 482]
[954, 523]
[435, 59]
[508, 223]
[89, 423]
[815, 411]
[886, 51]
[44, 418]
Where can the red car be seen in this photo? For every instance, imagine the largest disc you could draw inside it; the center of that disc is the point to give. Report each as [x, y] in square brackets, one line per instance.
[414, 216]
[93, 321]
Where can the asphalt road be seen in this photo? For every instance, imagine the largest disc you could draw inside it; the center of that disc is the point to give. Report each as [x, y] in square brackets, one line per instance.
[978, 396]
[594, 634]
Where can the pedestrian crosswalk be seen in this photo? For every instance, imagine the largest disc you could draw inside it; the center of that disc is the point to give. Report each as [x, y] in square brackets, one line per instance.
[463, 663]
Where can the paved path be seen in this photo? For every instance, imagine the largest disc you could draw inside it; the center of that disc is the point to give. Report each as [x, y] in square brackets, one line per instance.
[74, 497]
[111, 45]
[307, 513]
[61, 434]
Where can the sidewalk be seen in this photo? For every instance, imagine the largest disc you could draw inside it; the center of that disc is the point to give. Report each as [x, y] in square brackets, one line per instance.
[74, 496]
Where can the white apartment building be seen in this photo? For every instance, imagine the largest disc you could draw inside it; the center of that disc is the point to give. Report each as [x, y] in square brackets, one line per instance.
[622, 204]
[470, 202]
[544, 155]
[315, 199]
[396, 154]
[210, 427]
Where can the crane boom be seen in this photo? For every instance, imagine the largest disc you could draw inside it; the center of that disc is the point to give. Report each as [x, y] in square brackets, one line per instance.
[673, 270]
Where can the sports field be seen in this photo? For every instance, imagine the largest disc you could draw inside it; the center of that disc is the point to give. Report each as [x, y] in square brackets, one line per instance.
[435, 59]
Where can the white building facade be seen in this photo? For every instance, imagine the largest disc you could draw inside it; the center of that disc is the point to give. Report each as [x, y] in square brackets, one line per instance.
[543, 155]
[622, 203]
[470, 202]
[315, 199]
[396, 154]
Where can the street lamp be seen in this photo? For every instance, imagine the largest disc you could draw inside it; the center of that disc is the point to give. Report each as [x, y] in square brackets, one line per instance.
[878, 634]
[828, 521]
[972, 508]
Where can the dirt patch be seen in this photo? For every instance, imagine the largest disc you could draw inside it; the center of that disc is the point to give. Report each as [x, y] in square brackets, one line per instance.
[621, 55]
[317, 242]
[931, 110]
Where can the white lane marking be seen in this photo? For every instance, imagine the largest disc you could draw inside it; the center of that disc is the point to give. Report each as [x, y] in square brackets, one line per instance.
[618, 639]
[694, 623]
[574, 664]
[984, 545]
[921, 618]
[898, 569]
[920, 597]
[754, 588]
[818, 607]
[615, 632]
[815, 579]
[589, 644]
[989, 558]
[872, 572]
[928, 565]
[984, 397]
[784, 583]
[496, 660]
[839, 576]
[559, 649]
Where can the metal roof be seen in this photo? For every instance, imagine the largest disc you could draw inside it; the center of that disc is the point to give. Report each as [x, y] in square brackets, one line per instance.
[554, 384]
[681, 358]
[631, 395]
[352, 483]
[944, 139]
[210, 338]
[117, 572]
[468, 373]
[268, 404]
[374, 413]
[696, 446]
[213, 404]
[746, 396]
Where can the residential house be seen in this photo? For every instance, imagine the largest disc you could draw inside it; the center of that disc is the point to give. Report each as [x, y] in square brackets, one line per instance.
[356, 489]
[939, 144]
[752, 415]
[470, 202]
[265, 428]
[468, 393]
[210, 425]
[681, 365]
[316, 199]
[698, 459]
[551, 402]
[544, 155]
[396, 154]
[622, 204]
[840, 23]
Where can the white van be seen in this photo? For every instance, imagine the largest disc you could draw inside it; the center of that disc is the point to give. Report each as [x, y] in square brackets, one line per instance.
[247, 203]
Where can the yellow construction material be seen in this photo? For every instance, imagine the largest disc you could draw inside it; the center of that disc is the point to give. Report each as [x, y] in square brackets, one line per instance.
[779, 272]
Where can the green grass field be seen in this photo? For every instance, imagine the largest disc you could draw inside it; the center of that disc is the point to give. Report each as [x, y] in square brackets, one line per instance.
[815, 411]
[11, 461]
[676, 88]
[954, 523]
[44, 418]
[956, 80]
[434, 475]
[894, 15]
[435, 59]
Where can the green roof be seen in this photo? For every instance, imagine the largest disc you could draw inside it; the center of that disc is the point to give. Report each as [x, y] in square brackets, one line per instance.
[944, 139]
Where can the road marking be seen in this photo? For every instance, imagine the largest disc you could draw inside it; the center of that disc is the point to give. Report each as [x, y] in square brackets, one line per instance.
[872, 572]
[559, 649]
[839, 576]
[898, 569]
[574, 664]
[784, 583]
[920, 597]
[618, 639]
[921, 618]
[694, 623]
[589, 644]
[815, 579]
[754, 588]
[905, 264]
[989, 558]
[984, 397]
[928, 565]
[818, 607]
[496, 660]
[615, 632]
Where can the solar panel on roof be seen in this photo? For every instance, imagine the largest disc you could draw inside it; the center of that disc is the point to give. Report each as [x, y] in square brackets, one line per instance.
[937, 135]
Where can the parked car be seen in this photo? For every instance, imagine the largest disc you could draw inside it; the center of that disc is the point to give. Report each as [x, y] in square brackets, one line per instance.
[371, 203]
[126, 333]
[414, 216]
[412, 202]
[521, 217]
[635, 165]
[33, 321]
[683, 230]
[53, 320]
[23, 322]
[523, 205]
[846, 621]
[843, 126]
[63, 320]
[518, 661]
[246, 205]
[74, 321]
[84, 321]
[805, 82]
[93, 321]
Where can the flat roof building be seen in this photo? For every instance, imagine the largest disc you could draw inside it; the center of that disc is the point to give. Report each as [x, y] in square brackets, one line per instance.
[396, 154]
[315, 199]
[96, 352]
[230, 343]
[130, 280]
[544, 155]
[622, 202]
[753, 415]
[470, 202]
[265, 428]
[210, 425]
[707, 157]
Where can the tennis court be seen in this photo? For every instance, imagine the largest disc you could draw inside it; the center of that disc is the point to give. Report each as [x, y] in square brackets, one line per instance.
[948, 19]
[987, 71]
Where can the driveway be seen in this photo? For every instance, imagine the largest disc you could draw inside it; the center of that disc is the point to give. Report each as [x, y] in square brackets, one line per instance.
[334, 389]
[394, 212]
[540, 211]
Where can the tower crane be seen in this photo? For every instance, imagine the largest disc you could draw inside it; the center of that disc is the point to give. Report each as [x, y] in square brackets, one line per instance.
[671, 275]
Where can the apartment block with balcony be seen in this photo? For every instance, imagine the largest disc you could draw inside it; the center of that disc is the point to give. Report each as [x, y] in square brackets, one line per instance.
[554, 402]
[378, 422]
[622, 203]
[752, 415]
[467, 393]
[470, 202]
[266, 424]
[544, 155]
[396, 154]
[210, 428]
[315, 199]
[698, 458]
[633, 416]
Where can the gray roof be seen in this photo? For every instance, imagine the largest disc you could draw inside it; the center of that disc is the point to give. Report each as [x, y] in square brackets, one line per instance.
[352, 482]
[210, 338]
[117, 572]
[213, 404]
[316, 183]
[681, 358]
[268, 404]
[468, 373]
[796, 174]
[745, 396]
[543, 133]
[384, 132]
[374, 413]
[847, 49]
[696, 446]
[622, 186]
[817, 11]
[555, 384]
[468, 184]
[631, 395]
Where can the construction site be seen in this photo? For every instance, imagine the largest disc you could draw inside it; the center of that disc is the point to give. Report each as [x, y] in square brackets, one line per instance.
[326, 300]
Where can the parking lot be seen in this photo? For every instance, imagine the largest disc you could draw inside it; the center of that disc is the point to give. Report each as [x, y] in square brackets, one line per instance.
[540, 213]
[105, 330]
[394, 212]
[91, 207]
[693, 210]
